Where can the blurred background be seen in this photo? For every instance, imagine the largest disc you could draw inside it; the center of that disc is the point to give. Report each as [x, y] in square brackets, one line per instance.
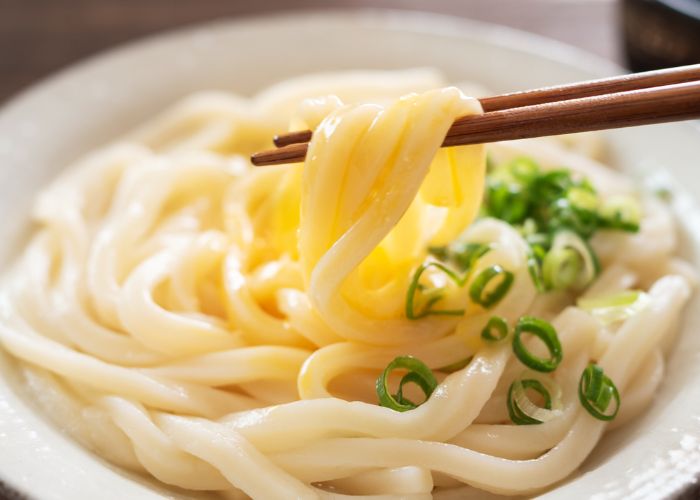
[38, 37]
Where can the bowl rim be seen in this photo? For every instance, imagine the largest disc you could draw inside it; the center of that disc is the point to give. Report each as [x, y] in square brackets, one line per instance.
[411, 21]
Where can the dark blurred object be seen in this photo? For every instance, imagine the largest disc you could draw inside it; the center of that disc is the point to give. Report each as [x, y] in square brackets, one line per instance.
[38, 37]
[661, 33]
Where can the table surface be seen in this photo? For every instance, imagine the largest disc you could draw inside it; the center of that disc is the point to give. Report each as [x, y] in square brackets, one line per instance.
[37, 37]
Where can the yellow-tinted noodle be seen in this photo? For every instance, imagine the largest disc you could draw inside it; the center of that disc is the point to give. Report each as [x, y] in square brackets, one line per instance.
[220, 327]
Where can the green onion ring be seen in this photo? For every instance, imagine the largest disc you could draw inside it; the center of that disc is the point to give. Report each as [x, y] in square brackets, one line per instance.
[535, 269]
[611, 308]
[547, 334]
[561, 268]
[620, 212]
[490, 299]
[524, 169]
[515, 412]
[418, 373]
[595, 391]
[427, 308]
[560, 257]
[496, 324]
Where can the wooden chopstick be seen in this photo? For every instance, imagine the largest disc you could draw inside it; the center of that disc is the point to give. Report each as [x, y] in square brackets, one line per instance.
[620, 109]
[622, 83]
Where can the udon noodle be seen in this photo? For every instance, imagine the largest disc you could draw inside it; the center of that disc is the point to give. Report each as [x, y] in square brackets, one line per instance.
[221, 327]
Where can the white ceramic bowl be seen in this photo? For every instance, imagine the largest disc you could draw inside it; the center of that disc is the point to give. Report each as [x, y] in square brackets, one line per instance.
[83, 107]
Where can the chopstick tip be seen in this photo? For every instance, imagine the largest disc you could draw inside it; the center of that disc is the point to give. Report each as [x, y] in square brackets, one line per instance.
[292, 138]
[256, 160]
[292, 153]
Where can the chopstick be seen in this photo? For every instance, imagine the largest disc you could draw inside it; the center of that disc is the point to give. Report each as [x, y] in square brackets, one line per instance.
[629, 100]
[611, 85]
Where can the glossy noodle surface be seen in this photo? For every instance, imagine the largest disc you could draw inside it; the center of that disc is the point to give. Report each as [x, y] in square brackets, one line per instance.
[221, 327]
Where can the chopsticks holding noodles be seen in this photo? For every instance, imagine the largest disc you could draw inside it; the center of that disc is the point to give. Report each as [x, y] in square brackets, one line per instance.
[623, 101]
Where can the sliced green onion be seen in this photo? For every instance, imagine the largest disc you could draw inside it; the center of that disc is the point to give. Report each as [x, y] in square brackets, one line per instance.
[552, 185]
[583, 198]
[561, 268]
[411, 378]
[596, 391]
[570, 263]
[456, 366]
[418, 373]
[460, 253]
[664, 193]
[495, 330]
[488, 299]
[543, 203]
[433, 296]
[535, 255]
[507, 201]
[564, 215]
[465, 255]
[535, 269]
[539, 243]
[620, 212]
[615, 307]
[547, 334]
[523, 411]
[441, 253]
[524, 169]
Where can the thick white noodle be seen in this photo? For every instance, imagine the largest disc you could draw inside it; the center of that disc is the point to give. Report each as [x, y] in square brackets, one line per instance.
[220, 327]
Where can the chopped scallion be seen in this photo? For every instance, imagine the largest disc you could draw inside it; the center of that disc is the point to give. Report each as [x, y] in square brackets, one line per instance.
[433, 296]
[620, 212]
[462, 254]
[583, 199]
[489, 298]
[570, 263]
[534, 267]
[596, 391]
[561, 268]
[495, 330]
[508, 202]
[523, 411]
[615, 307]
[418, 373]
[524, 169]
[547, 334]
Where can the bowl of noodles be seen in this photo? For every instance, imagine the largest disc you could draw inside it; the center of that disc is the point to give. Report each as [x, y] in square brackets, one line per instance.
[388, 319]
